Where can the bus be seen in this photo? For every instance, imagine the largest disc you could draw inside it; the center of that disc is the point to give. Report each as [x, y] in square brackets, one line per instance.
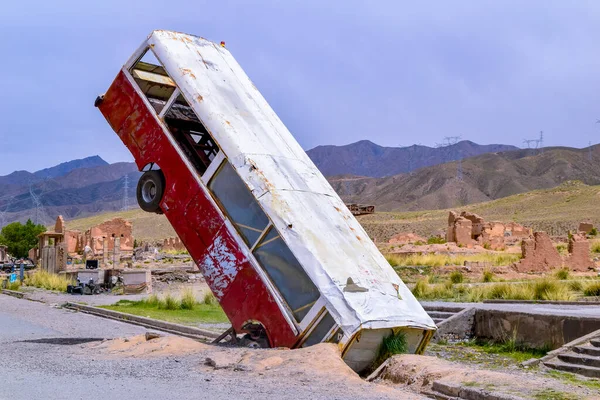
[288, 262]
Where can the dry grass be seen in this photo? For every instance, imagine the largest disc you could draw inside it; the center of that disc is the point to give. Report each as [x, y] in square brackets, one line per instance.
[539, 289]
[440, 260]
[48, 281]
[554, 211]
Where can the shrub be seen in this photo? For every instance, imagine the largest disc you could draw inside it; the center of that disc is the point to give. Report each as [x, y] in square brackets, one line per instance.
[457, 277]
[188, 300]
[562, 248]
[396, 343]
[436, 240]
[46, 280]
[575, 286]
[594, 232]
[169, 302]
[488, 275]
[549, 289]
[592, 289]
[209, 299]
[595, 247]
[421, 288]
[562, 274]
[419, 243]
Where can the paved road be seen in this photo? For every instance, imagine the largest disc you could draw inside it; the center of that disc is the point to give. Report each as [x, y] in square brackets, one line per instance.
[41, 357]
[591, 311]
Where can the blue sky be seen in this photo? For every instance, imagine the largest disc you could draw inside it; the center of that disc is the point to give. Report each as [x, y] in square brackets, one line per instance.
[393, 72]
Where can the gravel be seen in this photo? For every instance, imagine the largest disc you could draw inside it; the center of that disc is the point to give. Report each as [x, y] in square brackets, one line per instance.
[58, 371]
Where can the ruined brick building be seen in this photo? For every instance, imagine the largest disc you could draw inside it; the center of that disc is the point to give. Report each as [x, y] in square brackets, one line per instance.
[469, 229]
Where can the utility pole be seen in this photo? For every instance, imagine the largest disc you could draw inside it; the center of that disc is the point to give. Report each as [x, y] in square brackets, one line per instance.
[590, 151]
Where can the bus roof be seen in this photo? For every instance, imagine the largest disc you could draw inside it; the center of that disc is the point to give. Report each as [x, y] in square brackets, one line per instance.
[311, 218]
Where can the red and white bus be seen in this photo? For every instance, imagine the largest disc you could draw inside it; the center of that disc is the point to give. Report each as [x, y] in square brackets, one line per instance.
[284, 256]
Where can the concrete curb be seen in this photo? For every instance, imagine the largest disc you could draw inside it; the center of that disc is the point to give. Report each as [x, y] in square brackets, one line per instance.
[457, 327]
[564, 303]
[454, 391]
[563, 349]
[445, 308]
[177, 329]
[13, 293]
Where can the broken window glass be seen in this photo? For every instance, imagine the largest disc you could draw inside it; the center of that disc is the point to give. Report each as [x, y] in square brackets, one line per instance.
[287, 274]
[238, 203]
[153, 80]
[321, 330]
[190, 134]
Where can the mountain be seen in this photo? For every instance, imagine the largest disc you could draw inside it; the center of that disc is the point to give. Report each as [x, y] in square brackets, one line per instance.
[485, 177]
[365, 158]
[79, 191]
[66, 167]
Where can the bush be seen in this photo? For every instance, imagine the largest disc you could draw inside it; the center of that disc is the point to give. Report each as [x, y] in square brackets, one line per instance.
[457, 277]
[594, 232]
[595, 247]
[394, 344]
[48, 281]
[562, 274]
[592, 289]
[188, 300]
[562, 249]
[421, 288]
[169, 302]
[209, 299]
[575, 286]
[549, 289]
[488, 276]
[436, 240]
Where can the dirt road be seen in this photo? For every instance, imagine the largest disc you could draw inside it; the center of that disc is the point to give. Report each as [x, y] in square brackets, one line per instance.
[52, 353]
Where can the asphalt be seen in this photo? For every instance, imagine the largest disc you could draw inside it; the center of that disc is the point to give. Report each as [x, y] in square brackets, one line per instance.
[43, 355]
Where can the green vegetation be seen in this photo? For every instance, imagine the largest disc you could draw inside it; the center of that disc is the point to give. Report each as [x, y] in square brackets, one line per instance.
[16, 285]
[592, 289]
[440, 260]
[594, 232]
[488, 276]
[48, 281]
[551, 394]
[19, 238]
[575, 380]
[562, 274]
[545, 288]
[183, 309]
[436, 240]
[393, 344]
[562, 249]
[595, 247]
[457, 277]
[510, 348]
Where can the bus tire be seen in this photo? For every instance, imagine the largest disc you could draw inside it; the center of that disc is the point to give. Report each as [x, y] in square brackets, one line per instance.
[150, 190]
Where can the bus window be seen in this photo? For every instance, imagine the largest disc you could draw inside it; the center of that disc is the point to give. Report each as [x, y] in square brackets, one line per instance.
[238, 203]
[286, 273]
[190, 134]
[323, 327]
[153, 80]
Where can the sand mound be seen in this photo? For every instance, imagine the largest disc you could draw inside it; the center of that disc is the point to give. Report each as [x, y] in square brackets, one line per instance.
[139, 346]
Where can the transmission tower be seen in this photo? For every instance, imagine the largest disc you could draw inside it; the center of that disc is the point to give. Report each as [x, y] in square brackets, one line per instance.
[126, 193]
[528, 142]
[540, 141]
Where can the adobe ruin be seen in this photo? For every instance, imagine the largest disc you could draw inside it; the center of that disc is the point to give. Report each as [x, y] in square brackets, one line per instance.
[469, 229]
[173, 244]
[540, 255]
[56, 247]
[586, 227]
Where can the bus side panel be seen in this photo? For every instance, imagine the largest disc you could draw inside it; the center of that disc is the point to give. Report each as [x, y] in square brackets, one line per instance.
[242, 294]
[246, 297]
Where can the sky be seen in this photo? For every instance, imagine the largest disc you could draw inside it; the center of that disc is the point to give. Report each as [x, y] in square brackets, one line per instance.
[394, 72]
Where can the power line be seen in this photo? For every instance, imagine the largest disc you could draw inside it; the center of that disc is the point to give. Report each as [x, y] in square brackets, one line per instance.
[126, 193]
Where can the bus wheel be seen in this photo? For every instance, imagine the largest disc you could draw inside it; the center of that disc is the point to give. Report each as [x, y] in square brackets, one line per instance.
[150, 190]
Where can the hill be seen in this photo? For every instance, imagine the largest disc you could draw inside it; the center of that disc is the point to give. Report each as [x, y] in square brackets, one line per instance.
[554, 210]
[473, 180]
[365, 158]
